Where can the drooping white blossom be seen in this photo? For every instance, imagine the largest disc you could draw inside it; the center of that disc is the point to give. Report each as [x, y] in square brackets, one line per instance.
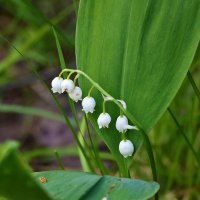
[122, 124]
[88, 104]
[76, 94]
[126, 148]
[67, 85]
[56, 85]
[103, 120]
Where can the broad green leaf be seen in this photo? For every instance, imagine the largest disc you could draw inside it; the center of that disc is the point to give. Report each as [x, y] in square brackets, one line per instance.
[138, 51]
[16, 181]
[78, 185]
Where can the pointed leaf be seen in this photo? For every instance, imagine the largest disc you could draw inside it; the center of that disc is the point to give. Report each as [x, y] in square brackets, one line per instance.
[78, 185]
[138, 51]
[16, 181]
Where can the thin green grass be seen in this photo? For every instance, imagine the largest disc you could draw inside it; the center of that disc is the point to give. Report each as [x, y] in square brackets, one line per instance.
[27, 110]
[59, 161]
[195, 154]
[48, 152]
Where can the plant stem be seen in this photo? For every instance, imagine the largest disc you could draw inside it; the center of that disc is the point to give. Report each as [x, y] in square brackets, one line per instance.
[129, 115]
[126, 172]
[97, 158]
[185, 137]
[74, 134]
[59, 161]
[68, 77]
[72, 106]
[75, 78]
[89, 93]
[83, 161]
[104, 106]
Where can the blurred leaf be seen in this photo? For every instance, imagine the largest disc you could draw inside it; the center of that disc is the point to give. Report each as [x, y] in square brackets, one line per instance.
[63, 185]
[26, 45]
[26, 11]
[16, 181]
[70, 150]
[138, 51]
[27, 110]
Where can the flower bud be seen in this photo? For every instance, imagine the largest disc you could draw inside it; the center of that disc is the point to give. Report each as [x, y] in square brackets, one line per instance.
[104, 120]
[88, 104]
[122, 124]
[123, 103]
[76, 94]
[67, 85]
[56, 85]
[126, 148]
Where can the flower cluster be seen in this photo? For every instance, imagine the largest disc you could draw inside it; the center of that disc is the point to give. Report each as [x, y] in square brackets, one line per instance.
[60, 85]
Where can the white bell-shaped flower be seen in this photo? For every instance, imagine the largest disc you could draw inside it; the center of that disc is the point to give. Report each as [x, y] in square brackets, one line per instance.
[122, 124]
[56, 85]
[104, 120]
[88, 104]
[76, 94]
[126, 148]
[67, 85]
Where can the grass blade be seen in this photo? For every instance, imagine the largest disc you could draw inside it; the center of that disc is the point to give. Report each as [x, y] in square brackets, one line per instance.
[195, 154]
[59, 161]
[27, 110]
[59, 49]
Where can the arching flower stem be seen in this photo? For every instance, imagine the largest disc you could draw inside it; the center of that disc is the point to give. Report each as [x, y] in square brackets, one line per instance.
[69, 75]
[75, 78]
[108, 96]
[128, 114]
[90, 91]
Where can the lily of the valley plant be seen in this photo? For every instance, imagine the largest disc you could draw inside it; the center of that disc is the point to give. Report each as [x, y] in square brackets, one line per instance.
[60, 85]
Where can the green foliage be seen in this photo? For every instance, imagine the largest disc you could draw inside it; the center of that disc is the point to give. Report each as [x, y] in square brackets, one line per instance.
[16, 176]
[33, 34]
[27, 110]
[63, 185]
[16, 181]
[138, 51]
[29, 30]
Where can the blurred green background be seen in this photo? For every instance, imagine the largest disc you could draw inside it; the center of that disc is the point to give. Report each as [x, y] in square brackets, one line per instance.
[29, 115]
